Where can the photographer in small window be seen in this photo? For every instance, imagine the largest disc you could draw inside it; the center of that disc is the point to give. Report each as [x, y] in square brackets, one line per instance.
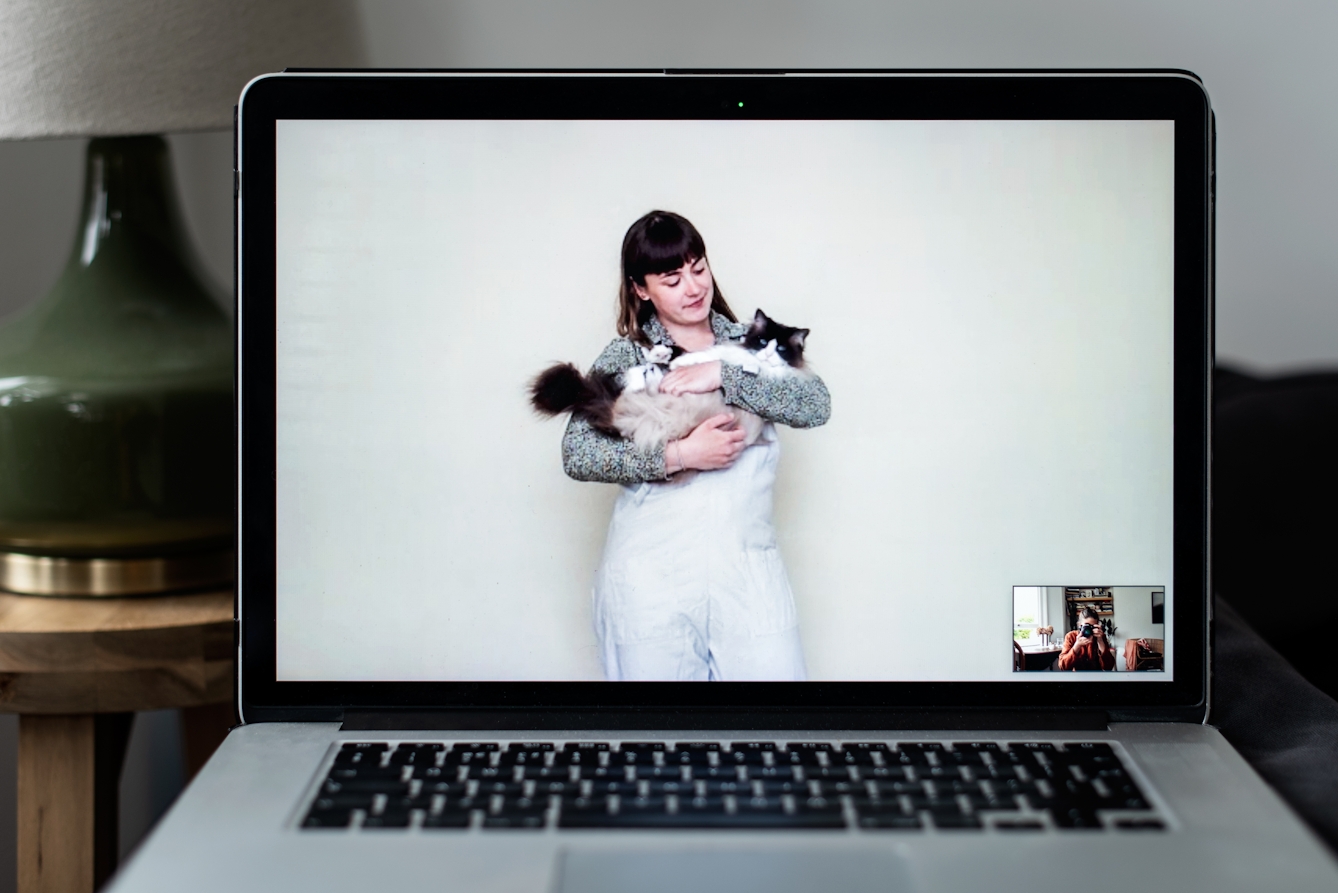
[1086, 648]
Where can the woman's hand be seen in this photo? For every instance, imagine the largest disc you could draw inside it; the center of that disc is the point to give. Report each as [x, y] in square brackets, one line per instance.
[700, 379]
[713, 444]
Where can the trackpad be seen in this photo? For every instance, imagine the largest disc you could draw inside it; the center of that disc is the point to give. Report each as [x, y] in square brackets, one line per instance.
[738, 871]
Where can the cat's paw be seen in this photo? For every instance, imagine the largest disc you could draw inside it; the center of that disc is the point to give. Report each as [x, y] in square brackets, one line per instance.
[659, 354]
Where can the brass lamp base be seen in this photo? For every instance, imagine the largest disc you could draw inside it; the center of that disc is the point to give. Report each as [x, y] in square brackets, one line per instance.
[113, 577]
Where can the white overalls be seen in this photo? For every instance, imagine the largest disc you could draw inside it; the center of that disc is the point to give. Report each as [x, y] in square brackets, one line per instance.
[691, 586]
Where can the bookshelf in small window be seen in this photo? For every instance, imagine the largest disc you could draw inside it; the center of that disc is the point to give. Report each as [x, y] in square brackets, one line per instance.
[1100, 598]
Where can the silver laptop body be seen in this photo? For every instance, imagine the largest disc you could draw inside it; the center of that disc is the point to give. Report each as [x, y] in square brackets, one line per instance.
[482, 649]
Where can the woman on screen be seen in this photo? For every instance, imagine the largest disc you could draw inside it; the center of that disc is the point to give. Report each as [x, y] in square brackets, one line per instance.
[691, 586]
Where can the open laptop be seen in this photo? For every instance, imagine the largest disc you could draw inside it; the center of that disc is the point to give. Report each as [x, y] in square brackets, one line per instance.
[942, 625]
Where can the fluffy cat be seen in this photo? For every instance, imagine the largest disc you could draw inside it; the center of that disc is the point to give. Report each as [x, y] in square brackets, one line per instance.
[632, 406]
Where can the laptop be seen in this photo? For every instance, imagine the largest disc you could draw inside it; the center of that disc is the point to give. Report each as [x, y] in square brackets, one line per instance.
[703, 481]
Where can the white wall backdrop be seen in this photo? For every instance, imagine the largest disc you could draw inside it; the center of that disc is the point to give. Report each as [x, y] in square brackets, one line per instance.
[990, 305]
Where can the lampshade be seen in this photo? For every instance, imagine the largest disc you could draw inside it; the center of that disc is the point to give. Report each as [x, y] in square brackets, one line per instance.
[121, 67]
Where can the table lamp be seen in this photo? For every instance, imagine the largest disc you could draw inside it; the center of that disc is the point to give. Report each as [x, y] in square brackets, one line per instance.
[116, 402]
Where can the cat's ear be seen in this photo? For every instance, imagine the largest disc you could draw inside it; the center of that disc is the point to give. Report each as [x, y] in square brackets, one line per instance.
[797, 339]
[760, 321]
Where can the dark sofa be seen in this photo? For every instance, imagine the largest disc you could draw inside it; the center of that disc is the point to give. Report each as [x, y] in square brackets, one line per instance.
[1275, 523]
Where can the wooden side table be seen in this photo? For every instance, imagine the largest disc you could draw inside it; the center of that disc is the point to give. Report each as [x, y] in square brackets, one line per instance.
[76, 670]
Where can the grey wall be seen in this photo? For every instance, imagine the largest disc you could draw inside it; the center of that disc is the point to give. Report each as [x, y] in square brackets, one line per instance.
[1269, 67]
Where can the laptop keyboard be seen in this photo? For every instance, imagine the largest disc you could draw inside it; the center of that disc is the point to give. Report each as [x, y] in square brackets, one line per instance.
[874, 786]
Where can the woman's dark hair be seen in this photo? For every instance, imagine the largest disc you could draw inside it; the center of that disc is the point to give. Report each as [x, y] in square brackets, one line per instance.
[1090, 613]
[657, 243]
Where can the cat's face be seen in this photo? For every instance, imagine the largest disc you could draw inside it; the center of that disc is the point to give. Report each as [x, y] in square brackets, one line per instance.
[789, 340]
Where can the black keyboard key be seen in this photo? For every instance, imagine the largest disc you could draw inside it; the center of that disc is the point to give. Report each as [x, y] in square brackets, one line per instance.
[956, 821]
[990, 747]
[414, 758]
[884, 773]
[777, 788]
[746, 757]
[360, 754]
[1089, 749]
[327, 818]
[581, 753]
[831, 788]
[861, 754]
[387, 820]
[696, 753]
[877, 805]
[366, 786]
[500, 789]
[363, 746]
[524, 821]
[719, 773]
[474, 752]
[638, 752]
[806, 753]
[1019, 825]
[818, 804]
[515, 756]
[611, 787]
[342, 802]
[343, 774]
[719, 787]
[677, 788]
[487, 772]
[656, 804]
[896, 788]
[1140, 824]
[604, 773]
[445, 788]
[964, 757]
[889, 821]
[756, 804]
[908, 754]
[556, 787]
[448, 819]
[435, 773]
[1076, 817]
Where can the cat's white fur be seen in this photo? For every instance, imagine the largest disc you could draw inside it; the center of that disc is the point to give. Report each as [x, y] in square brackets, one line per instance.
[649, 418]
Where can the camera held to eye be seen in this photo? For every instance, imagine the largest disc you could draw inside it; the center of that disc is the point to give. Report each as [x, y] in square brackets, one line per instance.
[1086, 631]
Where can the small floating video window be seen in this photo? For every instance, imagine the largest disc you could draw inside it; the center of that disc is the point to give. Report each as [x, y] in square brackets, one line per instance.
[1098, 629]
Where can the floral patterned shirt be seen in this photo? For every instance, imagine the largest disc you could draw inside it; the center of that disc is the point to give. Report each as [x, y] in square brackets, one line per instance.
[591, 455]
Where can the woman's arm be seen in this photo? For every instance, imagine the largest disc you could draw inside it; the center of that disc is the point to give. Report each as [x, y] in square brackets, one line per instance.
[591, 455]
[1067, 655]
[800, 401]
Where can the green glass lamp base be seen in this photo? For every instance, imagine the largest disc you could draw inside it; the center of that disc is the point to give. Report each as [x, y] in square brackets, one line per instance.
[116, 430]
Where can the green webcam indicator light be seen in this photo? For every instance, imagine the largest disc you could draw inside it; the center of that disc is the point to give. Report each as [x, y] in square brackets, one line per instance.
[740, 105]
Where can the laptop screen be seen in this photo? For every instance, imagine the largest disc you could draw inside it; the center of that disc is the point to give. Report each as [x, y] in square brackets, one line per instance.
[851, 400]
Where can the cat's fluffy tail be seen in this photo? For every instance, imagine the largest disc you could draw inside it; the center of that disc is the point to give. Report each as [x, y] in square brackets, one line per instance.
[562, 388]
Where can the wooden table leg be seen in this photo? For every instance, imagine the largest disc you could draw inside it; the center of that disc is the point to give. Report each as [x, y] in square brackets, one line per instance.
[68, 780]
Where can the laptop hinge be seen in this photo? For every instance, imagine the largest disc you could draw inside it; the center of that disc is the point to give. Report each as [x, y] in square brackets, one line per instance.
[576, 720]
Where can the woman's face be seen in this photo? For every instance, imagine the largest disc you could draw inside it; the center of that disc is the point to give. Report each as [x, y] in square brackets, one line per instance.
[681, 297]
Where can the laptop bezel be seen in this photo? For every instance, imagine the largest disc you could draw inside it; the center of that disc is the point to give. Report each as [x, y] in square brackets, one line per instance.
[802, 95]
